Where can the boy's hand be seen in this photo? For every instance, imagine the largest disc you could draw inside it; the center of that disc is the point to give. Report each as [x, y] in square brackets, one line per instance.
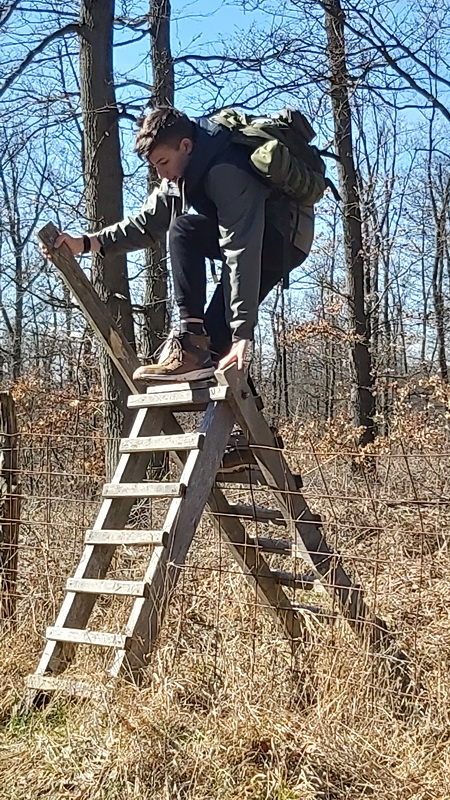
[236, 355]
[74, 243]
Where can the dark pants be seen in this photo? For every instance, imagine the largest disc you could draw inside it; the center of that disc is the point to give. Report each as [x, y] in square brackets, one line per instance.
[194, 237]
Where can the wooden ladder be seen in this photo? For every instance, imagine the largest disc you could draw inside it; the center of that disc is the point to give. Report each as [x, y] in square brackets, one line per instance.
[156, 429]
[199, 455]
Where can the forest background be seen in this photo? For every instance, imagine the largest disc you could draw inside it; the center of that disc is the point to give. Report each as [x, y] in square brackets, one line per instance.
[352, 360]
[374, 288]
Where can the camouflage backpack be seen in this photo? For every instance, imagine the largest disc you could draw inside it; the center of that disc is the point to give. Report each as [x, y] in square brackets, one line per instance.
[281, 151]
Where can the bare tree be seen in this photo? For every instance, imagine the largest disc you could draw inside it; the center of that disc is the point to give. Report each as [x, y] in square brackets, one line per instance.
[104, 205]
[155, 297]
[19, 223]
[362, 398]
[440, 206]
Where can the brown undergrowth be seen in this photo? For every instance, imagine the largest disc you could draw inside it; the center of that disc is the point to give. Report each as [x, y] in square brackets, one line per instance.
[227, 712]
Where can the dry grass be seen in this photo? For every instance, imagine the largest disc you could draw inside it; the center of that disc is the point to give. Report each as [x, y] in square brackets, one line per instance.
[228, 713]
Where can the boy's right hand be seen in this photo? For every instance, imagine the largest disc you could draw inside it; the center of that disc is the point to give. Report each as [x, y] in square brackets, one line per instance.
[74, 243]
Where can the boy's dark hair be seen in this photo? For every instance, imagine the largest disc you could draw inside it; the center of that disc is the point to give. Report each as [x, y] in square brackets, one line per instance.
[164, 125]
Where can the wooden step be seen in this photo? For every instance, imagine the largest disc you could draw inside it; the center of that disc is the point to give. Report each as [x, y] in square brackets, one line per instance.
[247, 477]
[127, 537]
[67, 686]
[281, 547]
[322, 613]
[159, 387]
[153, 444]
[257, 513]
[86, 636]
[199, 398]
[94, 586]
[305, 582]
[150, 489]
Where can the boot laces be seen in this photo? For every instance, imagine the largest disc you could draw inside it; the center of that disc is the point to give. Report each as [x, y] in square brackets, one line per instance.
[164, 351]
[172, 350]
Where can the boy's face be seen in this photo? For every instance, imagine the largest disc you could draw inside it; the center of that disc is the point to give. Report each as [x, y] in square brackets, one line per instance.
[170, 162]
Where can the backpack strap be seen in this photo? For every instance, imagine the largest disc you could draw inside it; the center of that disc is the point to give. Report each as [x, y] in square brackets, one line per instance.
[214, 275]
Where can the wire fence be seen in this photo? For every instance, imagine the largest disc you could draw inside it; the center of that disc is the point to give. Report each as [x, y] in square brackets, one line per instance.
[385, 512]
[228, 708]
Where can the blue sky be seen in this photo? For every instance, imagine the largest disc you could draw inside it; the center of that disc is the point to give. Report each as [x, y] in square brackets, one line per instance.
[196, 27]
[207, 20]
[202, 26]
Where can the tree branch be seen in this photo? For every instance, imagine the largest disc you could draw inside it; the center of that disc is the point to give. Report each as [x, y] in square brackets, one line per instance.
[6, 11]
[397, 43]
[72, 28]
[380, 47]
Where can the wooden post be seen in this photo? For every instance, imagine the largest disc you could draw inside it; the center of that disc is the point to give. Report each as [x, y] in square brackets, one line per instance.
[96, 312]
[9, 507]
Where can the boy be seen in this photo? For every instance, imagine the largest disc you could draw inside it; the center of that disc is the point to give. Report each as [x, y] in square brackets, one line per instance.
[259, 236]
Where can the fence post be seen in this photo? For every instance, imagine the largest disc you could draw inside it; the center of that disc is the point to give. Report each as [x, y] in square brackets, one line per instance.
[9, 507]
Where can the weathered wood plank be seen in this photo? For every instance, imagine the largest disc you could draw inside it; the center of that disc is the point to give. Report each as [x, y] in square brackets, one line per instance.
[258, 513]
[181, 386]
[165, 567]
[93, 586]
[113, 514]
[67, 686]
[280, 547]
[255, 569]
[305, 582]
[245, 477]
[308, 535]
[86, 636]
[127, 537]
[185, 441]
[323, 614]
[97, 314]
[138, 490]
[175, 399]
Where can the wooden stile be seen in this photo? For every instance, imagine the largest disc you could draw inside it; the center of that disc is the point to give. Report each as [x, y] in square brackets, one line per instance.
[199, 456]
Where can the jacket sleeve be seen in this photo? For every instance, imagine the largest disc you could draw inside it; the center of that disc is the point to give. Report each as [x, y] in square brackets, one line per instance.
[240, 201]
[144, 229]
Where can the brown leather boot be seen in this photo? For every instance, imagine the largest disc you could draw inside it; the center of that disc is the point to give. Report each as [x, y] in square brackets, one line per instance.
[186, 357]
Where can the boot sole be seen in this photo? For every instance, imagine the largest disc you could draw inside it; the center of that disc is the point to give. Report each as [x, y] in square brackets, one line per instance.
[195, 375]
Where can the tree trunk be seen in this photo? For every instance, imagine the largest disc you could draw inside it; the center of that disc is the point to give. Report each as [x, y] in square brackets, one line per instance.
[423, 277]
[276, 372]
[155, 298]
[438, 297]
[361, 395]
[18, 317]
[104, 205]
[9, 507]
[284, 358]
[330, 346]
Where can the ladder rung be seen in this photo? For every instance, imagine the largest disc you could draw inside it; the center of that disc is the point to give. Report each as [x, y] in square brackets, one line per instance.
[70, 686]
[328, 616]
[185, 397]
[156, 489]
[258, 513]
[251, 476]
[96, 586]
[184, 441]
[85, 636]
[128, 537]
[282, 547]
[180, 386]
[294, 581]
